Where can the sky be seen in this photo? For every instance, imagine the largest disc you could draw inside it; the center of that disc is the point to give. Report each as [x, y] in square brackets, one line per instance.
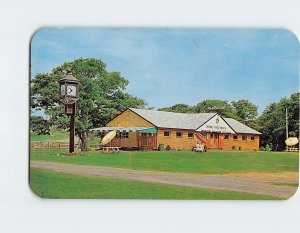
[167, 66]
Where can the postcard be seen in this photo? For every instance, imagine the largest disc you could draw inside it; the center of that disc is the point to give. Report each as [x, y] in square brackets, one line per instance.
[164, 113]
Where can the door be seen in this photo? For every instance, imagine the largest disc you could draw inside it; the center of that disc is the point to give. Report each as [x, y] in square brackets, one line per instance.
[146, 139]
[214, 140]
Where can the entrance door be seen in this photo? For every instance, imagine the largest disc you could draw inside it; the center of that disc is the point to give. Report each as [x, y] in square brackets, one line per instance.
[214, 140]
[146, 139]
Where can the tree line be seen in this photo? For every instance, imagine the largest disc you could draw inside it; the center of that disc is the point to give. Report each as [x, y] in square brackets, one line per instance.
[103, 95]
[271, 123]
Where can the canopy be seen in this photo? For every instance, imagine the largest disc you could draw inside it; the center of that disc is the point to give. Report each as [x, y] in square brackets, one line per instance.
[126, 129]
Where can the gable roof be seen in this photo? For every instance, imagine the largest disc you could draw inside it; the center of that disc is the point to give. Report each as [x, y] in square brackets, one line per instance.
[174, 120]
[192, 121]
[239, 127]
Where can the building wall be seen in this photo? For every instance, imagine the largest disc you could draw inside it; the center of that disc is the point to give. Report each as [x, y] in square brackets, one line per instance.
[173, 141]
[129, 119]
[131, 141]
[244, 145]
[187, 143]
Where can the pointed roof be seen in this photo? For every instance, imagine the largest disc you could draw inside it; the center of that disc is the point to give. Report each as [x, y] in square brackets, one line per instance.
[174, 120]
[239, 127]
[192, 121]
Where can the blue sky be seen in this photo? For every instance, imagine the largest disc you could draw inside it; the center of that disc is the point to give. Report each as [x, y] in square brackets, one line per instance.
[170, 66]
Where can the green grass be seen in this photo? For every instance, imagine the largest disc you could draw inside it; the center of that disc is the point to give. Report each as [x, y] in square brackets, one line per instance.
[286, 184]
[213, 162]
[93, 141]
[47, 184]
[55, 135]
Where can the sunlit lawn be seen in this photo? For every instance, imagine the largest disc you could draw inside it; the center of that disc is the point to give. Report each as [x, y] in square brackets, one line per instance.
[55, 135]
[48, 184]
[212, 162]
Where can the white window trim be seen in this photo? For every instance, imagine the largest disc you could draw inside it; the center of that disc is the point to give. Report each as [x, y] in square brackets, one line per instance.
[169, 134]
[180, 133]
[192, 136]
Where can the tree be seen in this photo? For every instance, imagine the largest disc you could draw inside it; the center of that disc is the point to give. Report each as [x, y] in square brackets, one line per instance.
[272, 123]
[102, 95]
[39, 125]
[181, 108]
[221, 107]
[246, 112]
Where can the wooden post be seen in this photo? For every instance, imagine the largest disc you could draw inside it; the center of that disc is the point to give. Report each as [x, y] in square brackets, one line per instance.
[72, 129]
[286, 124]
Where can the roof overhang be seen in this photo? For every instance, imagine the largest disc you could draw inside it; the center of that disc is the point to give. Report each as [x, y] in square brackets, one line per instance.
[125, 129]
[216, 124]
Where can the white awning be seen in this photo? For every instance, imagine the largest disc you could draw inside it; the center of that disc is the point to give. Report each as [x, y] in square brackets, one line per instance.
[125, 129]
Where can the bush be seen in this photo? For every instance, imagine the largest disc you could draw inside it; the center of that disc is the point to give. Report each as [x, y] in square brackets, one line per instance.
[39, 125]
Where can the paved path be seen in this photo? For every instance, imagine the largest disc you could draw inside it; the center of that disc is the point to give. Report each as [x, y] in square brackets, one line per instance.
[254, 185]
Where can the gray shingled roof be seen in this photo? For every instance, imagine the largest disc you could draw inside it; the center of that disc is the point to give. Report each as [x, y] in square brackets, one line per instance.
[238, 127]
[191, 121]
[173, 120]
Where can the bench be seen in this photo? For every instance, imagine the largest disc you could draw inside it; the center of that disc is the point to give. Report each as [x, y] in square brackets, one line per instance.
[292, 149]
[111, 148]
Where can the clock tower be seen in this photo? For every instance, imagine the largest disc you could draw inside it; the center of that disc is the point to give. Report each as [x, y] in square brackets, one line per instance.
[68, 95]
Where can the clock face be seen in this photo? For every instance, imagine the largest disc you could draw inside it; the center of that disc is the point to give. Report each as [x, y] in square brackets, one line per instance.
[62, 90]
[71, 90]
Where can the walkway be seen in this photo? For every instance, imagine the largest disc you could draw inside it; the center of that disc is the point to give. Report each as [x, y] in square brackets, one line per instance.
[255, 185]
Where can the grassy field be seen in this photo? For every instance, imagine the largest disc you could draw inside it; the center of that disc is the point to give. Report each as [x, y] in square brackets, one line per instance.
[61, 135]
[47, 184]
[213, 162]
[55, 135]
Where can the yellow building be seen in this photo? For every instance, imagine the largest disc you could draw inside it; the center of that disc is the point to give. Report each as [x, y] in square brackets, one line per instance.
[149, 129]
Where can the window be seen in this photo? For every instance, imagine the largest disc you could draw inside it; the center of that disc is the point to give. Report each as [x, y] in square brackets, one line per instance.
[166, 133]
[244, 138]
[226, 136]
[122, 135]
[235, 137]
[252, 139]
[190, 135]
[178, 134]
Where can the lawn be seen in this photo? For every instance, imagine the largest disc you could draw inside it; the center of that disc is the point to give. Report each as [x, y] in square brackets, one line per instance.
[212, 162]
[55, 135]
[93, 141]
[48, 184]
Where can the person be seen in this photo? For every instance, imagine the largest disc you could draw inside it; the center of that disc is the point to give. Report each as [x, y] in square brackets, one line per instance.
[199, 147]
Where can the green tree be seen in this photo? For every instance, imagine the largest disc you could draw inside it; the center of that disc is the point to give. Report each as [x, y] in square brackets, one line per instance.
[181, 108]
[246, 112]
[102, 95]
[272, 123]
[221, 107]
[39, 125]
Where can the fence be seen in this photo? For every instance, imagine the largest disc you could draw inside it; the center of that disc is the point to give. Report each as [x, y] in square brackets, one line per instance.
[46, 144]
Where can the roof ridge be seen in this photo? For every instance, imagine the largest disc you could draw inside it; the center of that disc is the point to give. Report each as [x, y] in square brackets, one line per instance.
[192, 113]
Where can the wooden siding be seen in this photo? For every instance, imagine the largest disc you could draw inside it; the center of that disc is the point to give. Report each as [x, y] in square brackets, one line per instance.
[244, 145]
[129, 119]
[187, 143]
[176, 143]
[129, 142]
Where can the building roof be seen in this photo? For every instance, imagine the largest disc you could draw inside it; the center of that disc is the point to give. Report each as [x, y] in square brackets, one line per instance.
[173, 120]
[239, 127]
[190, 121]
[126, 129]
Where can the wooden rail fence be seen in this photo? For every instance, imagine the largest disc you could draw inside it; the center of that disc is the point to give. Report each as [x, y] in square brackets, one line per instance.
[49, 145]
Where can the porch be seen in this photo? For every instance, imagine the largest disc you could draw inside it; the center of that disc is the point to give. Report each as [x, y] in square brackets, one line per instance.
[130, 138]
